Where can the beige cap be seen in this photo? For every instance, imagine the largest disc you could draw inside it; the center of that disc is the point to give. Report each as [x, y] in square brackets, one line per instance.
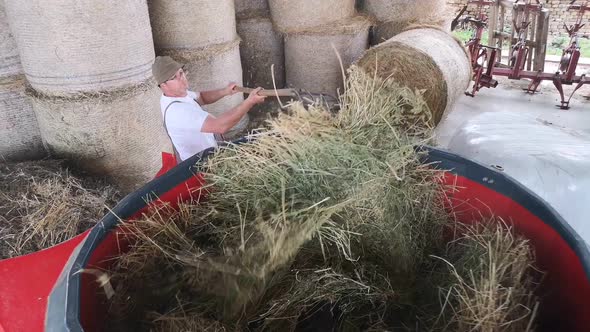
[164, 68]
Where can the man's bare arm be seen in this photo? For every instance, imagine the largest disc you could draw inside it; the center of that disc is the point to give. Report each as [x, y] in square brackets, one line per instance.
[211, 96]
[224, 122]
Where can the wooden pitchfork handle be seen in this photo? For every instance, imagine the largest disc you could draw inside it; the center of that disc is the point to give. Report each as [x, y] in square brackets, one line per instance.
[269, 93]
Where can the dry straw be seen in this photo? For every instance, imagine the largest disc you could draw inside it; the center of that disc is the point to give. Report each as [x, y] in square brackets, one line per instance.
[492, 279]
[43, 204]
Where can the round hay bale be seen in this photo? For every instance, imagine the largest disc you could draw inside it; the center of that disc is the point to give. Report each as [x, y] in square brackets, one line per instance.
[192, 24]
[292, 16]
[9, 60]
[212, 68]
[119, 134]
[424, 59]
[394, 16]
[311, 62]
[69, 47]
[261, 47]
[243, 6]
[20, 138]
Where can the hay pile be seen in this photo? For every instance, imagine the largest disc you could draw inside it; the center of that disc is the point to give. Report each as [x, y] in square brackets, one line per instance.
[323, 214]
[43, 204]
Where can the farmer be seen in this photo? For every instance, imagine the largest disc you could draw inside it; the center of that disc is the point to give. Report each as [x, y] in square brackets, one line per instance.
[189, 127]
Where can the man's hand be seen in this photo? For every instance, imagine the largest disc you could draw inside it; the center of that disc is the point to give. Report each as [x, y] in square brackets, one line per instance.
[230, 89]
[254, 98]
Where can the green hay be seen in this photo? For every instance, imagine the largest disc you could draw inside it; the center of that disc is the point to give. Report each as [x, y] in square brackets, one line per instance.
[321, 210]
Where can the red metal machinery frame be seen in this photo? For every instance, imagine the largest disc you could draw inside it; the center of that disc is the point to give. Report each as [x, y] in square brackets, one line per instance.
[484, 58]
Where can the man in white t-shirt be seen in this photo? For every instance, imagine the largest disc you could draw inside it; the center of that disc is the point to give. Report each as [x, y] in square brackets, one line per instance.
[190, 128]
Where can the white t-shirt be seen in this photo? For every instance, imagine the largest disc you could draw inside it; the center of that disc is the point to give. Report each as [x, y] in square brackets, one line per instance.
[184, 121]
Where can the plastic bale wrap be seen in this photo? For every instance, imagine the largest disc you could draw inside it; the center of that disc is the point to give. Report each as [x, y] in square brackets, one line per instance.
[291, 16]
[9, 59]
[394, 16]
[118, 133]
[213, 68]
[20, 138]
[192, 24]
[310, 56]
[85, 46]
[244, 6]
[261, 47]
[423, 59]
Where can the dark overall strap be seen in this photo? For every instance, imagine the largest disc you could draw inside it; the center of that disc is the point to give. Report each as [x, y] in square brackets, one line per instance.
[176, 154]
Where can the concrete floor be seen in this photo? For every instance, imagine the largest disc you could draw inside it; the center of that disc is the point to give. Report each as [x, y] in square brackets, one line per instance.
[543, 147]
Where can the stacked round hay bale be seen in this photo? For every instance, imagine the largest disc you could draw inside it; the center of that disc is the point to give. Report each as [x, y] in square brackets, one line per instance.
[393, 16]
[262, 46]
[89, 68]
[20, 138]
[202, 35]
[423, 59]
[316, 33]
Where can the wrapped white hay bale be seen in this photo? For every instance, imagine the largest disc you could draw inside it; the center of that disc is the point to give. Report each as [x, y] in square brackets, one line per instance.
[9, 60]
[424, 59]
[261, 47]
[244, 6]
[211, 68]
[20, 138]
[192, 24]
[311, 61]
[394, 16]
[84, 46]
[292, 16]
[119, 134]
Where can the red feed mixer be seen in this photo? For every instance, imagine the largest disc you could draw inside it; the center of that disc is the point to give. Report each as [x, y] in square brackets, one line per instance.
[51, 290]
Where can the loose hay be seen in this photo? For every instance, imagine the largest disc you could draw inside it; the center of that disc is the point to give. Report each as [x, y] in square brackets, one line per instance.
[427, 60]
[43, 204]
[323, 214]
